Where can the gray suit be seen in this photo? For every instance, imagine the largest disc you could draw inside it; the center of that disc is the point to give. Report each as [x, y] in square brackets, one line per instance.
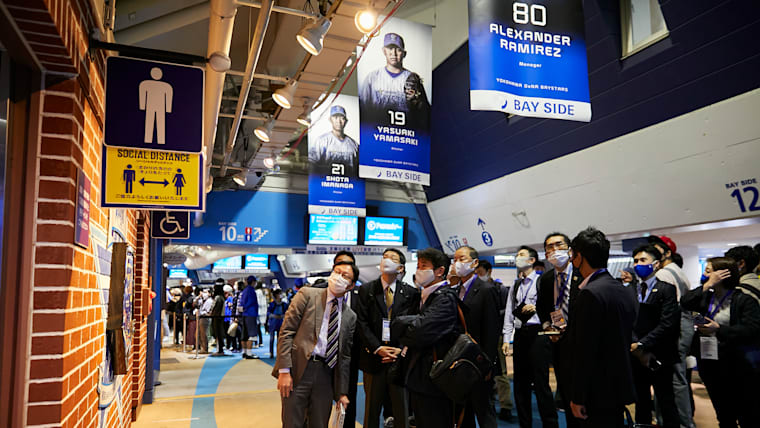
[312, 388]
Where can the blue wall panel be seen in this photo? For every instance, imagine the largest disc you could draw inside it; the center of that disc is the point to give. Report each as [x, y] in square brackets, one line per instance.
[711, 54]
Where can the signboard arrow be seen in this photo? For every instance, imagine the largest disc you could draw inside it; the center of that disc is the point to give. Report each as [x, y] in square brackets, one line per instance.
[143, 181]
[482, 224]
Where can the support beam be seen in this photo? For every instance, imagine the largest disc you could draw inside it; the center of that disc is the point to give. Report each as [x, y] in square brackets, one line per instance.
[278, 9]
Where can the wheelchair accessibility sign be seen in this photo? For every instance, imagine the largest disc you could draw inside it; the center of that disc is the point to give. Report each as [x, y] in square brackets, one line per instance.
[170, 224]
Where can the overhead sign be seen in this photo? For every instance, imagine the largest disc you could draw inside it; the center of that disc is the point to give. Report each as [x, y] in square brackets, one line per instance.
[529, 58]
[395, 91]
[170, 224]
[384, 231]
[334, 184]
[152, 179]
[153, 105]
[333, 229]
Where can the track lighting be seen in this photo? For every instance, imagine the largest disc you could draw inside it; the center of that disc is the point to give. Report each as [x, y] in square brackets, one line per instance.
[312, 35]
[284, 96]
[269, 162]
[264, 132]
[305, 117]
[365, 20]
[240, 178]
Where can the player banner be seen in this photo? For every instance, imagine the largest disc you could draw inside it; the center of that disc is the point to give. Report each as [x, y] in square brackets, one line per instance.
[529, 58]
[395, 76]
[334, 184]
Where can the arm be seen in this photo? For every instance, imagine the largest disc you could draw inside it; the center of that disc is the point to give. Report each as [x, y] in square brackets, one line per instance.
[748, 326]
[288, 331]
[509, 319]
[585, 341]
[143, 91]
[694, 300]
[169, 96]
[366, 335]
[491, 317]
[345, 357]
[425, 329]
[669, 317]
[545, 299]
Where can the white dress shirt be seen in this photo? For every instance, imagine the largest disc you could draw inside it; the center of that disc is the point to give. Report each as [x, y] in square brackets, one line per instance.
[427, 291]
[392, 285]
[527, 292]
[321, 347]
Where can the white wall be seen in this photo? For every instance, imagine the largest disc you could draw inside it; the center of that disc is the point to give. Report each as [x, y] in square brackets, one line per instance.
[448, 19]
[669, 174]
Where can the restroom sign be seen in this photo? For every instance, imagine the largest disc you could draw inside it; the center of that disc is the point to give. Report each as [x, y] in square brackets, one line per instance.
[153, 105]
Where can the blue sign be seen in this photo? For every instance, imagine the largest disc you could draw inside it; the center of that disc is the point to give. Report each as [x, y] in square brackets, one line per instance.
[178, 273]
[256, 261]
[333, 229]
[235, 262]
[529, 59]
[153, 105]
[170, 224]
[487, 239]
[384, 231]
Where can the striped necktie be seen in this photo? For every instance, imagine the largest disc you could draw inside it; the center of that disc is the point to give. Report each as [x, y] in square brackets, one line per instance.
[566, 297]
[332, 336]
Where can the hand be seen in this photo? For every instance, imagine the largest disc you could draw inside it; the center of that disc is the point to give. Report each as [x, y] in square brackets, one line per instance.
[505, 349]
[709, 328]
[579, 411]
[388, 352]
[344, 401]
[555, 337]
[716, 277]
[529, 309]
[626, 276]
[634, 346]
[285, 384]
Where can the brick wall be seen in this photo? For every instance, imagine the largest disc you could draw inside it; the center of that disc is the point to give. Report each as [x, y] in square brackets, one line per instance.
[68, 331]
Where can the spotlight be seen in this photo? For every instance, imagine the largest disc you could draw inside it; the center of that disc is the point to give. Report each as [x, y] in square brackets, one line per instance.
[312, 35]
[284, 96]
[305, 119]
[240, 178]
[365, 20]
[264, 131]
[269, 162]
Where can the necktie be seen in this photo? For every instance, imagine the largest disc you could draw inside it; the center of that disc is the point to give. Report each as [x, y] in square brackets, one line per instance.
[331, 356]
[389, 300]
[565, 303]
[462, 292]
[643, 292]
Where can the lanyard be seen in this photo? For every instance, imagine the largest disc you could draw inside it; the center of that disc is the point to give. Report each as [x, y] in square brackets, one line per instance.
[561, 293]
[527, 292]
[467, 289]
[711, 311]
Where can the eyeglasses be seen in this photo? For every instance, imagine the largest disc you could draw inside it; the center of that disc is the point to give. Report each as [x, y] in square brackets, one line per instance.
[348, 277]
[560, 245]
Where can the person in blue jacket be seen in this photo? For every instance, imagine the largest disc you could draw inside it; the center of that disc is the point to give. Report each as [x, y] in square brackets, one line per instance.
[275, 314]
[250, 305]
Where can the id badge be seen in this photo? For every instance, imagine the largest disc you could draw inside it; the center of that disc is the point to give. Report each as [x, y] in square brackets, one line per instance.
[708, 347]
[386, 330]
[558, 320]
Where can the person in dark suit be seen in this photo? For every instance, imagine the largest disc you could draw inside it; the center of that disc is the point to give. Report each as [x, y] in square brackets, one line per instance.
[427, 336]
[352, 300]
[599, 333]
[314, 351]
[655, 339]
[482, 318]
[557, 293]
[380, 302]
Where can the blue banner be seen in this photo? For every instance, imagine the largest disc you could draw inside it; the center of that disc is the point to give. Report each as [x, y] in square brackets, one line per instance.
[334, 184]
[395, 74]
[529, 58]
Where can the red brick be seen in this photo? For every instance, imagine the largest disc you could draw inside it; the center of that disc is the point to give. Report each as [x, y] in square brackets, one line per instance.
[59, 125]
[47, 414]
[59, 104]
[55, 233]
[48, 391]
[57, 190]
[57, 168]
[30, 15]
[39, 28]
[43, 323]
[43, 369]
[56, 211]
[50, 299]
[47, 345]
[54, 255]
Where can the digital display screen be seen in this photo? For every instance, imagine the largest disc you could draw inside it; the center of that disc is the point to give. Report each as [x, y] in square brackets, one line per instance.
[235, 262]
[333, 229]
[257, 261]
[178, 273]
[384, 231]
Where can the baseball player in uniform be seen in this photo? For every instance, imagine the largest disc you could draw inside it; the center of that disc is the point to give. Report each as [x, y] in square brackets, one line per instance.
[335, 147]
[384, 88]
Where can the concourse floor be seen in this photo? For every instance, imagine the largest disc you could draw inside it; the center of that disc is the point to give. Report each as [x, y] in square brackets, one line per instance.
[229, 391]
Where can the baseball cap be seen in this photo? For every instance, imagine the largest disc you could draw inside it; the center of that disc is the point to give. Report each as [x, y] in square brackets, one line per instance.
[337, 110]
[393, 39]
[669, 242]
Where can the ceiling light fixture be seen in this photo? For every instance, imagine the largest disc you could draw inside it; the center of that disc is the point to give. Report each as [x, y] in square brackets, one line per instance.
[312, 35]
[219, 62]
[284, 96]
[269, 162]
[365, 20]
[305, 117]
[264, 131]
[240, 178]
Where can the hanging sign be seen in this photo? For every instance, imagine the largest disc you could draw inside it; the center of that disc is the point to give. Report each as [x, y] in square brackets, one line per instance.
[334, 184]
[395, 75]
[529, 58]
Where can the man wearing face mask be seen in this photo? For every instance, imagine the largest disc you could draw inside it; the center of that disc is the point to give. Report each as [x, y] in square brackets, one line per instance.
[481, 315]
[380, 302]
[428, 335]
[599, 332]
[557, 291]
[314, 350]
[532, 352]
[655, 339]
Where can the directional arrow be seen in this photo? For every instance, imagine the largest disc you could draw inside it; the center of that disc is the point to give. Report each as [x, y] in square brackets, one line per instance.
[143, 181]
[482, 224]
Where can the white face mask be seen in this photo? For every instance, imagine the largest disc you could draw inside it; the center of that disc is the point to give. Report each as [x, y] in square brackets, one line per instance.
[559, 257]
[337, 284]
[484, 277]
[423, 278]
[522, 263]
[388, 266]
[463, 268]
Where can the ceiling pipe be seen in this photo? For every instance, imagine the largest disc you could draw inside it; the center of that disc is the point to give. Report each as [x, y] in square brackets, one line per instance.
[262, 23]
[279, 9]
[221, 23]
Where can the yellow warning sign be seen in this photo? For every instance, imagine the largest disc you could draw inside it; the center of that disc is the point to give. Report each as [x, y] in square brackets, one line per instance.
[155, 179]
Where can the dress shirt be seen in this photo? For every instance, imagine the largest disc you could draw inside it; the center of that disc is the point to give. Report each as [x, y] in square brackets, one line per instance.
[321, 348]
[649, 284]
[386, 285]
[527, 290]
[568, 271]
[427, 291]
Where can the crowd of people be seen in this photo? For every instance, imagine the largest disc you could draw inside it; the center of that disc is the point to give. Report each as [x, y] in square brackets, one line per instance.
[434, 354]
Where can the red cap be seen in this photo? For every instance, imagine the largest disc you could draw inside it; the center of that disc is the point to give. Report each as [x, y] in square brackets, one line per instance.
[669, 242]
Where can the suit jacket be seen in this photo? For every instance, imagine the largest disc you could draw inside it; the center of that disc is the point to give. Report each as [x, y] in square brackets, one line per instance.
[545, 300]
[599, 333]
[429, 334]
[300, 332]
[370, 314]
[482, 317]
[658, 323]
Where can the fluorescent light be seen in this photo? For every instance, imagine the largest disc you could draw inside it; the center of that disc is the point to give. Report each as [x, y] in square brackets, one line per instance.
[732, 244]
[365, 20]
[240, 178]
[284, 96]
[264, 132]
[312, 35]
